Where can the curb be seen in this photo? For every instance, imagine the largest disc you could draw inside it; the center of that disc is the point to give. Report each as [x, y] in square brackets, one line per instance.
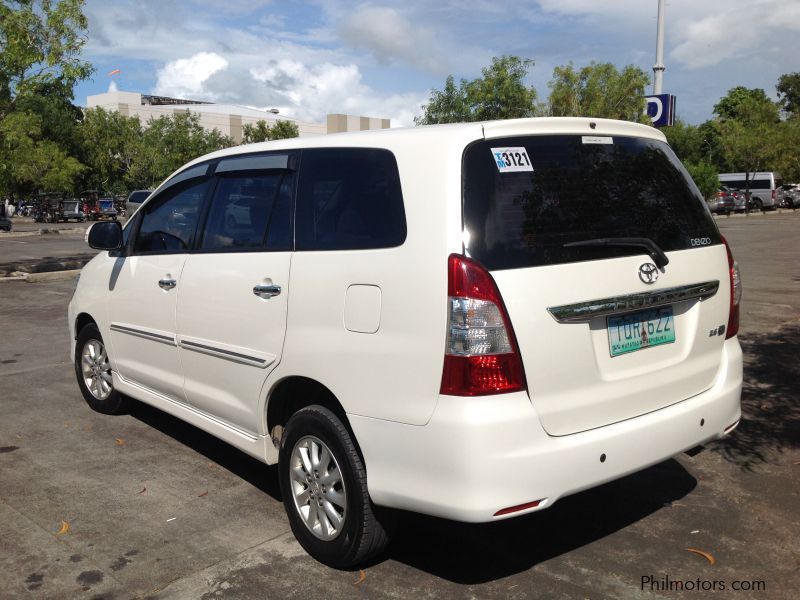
[40, 277]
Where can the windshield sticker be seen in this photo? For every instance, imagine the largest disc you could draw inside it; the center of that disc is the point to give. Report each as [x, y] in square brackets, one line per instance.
[593, 139]
[512, 160]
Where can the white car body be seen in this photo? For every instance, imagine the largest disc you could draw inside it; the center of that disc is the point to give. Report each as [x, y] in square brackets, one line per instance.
[371, 327]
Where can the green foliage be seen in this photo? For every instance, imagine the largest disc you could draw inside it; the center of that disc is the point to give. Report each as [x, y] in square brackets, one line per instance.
[40, 46]
[789, 93]
[28, 162]
[499, 94]
[705, 176]
[166, 144]
[745, 104]
[598, 90]
[787, 150]
[110, 143]
[262, 132]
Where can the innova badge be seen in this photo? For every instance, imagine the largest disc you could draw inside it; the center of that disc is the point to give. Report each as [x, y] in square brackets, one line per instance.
[648, 273]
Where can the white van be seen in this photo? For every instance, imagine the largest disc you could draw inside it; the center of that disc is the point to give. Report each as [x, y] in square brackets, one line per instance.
[469, 321]
[762, 186]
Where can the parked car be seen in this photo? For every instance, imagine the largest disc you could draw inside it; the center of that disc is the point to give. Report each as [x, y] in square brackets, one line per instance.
[135, 199]
[724, 202]
[468, 329]
[762, 187]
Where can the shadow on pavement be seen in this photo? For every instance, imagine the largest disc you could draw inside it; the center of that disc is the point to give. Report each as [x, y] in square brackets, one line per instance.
[478, 553]
[254, 472]
[770, 398]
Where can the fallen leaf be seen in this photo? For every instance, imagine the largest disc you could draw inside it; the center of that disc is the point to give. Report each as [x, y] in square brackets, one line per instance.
[797, 463]
[144, 489]
[203, 494]
[361, 576]
[705, 555]
[64, 528]
[20, 437]
[119, 442]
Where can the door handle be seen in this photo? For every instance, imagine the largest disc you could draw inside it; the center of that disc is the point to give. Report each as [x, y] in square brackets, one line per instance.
[266, 290]
[167, 284]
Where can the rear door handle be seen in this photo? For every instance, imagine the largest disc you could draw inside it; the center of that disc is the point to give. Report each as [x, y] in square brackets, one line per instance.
[167, 284]
[266, 290]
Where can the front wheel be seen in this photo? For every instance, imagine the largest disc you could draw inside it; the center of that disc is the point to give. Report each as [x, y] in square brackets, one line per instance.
[324, 487]
[93, 370]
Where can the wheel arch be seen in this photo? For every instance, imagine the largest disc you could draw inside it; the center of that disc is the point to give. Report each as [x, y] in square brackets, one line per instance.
[82, 320]
[293, 393]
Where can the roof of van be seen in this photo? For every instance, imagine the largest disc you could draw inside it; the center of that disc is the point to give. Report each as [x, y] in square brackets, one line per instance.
[442, 134]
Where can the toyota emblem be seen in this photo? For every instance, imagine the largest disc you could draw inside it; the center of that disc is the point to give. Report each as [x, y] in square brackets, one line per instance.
[648, 273]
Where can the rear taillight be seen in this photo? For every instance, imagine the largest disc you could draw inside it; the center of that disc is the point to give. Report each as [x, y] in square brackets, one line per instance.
[773, 194]
[481, 353]
[736, 293]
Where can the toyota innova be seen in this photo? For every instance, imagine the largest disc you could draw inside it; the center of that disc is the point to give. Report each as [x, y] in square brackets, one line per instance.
[469, 321]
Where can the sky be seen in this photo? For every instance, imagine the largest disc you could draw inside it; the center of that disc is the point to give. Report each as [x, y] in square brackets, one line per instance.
[314, 57]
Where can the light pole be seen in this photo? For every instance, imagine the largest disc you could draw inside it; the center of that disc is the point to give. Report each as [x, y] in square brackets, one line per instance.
[658, 68]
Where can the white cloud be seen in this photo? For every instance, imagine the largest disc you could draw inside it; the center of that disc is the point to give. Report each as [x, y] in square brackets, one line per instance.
[185, 76]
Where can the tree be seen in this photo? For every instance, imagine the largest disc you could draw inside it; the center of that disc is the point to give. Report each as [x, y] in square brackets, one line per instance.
[40, 46]
[166, 144]
[705, 176]
[741, 103]
[499, 94]
[598, 90]
[262, 132]
[109, 141]
[789, 93]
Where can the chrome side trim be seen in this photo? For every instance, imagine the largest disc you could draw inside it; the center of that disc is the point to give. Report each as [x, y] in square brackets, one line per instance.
[614, 305]
[220, 353]
[155, 337]
[241, 432]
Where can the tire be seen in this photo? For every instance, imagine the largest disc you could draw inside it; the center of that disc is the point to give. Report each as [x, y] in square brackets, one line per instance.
[94, 374]
[758, 205]
[363, 531]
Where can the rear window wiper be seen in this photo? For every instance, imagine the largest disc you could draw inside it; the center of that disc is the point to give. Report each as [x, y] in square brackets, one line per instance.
[656, 253]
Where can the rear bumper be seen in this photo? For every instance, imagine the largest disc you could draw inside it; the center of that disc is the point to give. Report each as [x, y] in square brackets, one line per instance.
[477, 456]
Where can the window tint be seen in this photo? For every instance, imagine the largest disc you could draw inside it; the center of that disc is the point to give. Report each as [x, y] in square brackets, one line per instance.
[575, 192]
[139, 197]
[349, 198]
[250, 211]
[170, 220]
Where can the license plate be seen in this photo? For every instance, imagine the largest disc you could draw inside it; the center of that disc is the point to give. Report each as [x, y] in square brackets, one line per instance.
[628, 333]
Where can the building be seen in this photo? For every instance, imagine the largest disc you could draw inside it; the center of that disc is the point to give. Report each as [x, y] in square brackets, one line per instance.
[229, 119]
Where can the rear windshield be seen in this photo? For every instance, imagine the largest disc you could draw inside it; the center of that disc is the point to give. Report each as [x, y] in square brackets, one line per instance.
[526, 197]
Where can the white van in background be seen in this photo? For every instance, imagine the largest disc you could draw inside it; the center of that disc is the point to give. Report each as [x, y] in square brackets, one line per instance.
[762, 186]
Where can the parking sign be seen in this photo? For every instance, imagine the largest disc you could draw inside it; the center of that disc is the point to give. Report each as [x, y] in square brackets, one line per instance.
[661, 109]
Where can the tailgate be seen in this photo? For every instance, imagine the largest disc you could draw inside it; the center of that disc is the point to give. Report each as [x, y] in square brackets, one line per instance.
[574, 381]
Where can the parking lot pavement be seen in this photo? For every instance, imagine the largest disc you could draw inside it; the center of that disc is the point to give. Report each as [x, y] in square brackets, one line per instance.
[143, 505]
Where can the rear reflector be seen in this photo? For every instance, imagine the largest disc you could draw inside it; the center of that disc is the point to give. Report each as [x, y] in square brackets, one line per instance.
[481, 353]
[517, 508]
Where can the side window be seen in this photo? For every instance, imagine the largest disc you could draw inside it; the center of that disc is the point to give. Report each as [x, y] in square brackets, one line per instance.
[169, 221]
[349, 199]
[250, 211]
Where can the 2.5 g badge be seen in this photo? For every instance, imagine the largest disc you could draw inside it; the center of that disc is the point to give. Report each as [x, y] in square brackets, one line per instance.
[512, 159]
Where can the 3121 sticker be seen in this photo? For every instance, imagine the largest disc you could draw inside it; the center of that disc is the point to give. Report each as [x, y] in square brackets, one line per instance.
[512, 159]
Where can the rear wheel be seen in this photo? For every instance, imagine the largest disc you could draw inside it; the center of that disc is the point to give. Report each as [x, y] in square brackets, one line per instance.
[93, 370]
[758, 205]
[324, 488]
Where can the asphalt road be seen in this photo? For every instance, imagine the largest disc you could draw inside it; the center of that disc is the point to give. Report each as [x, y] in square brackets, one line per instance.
[143, 505]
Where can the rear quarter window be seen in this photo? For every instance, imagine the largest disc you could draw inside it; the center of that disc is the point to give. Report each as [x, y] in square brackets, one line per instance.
[349, 199]
[574, 191]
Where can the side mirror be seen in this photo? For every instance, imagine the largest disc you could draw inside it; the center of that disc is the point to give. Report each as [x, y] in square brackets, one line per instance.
[105, 235]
